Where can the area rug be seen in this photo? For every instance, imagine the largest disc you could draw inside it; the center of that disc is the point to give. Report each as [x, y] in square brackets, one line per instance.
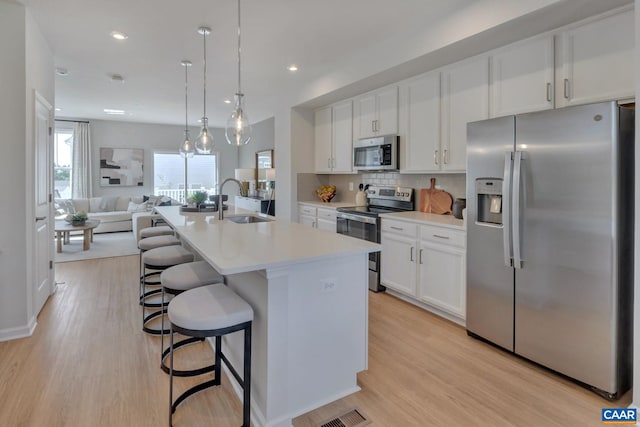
[104, 245]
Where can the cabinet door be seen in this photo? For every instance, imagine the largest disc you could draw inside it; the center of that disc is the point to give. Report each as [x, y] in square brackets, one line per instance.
[397, 263]
[307, 220]
[465, 99]
[323, 140]
[365, 116]
[522, 76]
[387, 112]
[420, 124]
[597, 61]
[342, 137]
[442, 277]
[323, 224]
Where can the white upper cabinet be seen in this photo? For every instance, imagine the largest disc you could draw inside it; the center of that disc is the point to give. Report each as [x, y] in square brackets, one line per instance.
[522, 77]
[597, 61]
[342, 117]
[323, 142]
[376, 113]
[333, 138]
[465, 98]
[419, 125]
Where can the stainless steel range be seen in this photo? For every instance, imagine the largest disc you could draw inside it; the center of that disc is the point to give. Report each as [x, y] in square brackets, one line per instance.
[363, 222]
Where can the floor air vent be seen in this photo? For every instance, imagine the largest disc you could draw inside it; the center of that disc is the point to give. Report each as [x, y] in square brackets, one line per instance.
[353, 418]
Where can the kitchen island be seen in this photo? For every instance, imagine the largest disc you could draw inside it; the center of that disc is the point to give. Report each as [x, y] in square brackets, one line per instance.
[309, 292]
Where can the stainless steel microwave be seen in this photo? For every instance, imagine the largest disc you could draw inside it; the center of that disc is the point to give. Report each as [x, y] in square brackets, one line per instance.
[376, 154]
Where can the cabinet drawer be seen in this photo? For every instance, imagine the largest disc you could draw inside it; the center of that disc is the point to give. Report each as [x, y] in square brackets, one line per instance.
[306, 210]
[328, 214]
[445, 236]
[399, 227]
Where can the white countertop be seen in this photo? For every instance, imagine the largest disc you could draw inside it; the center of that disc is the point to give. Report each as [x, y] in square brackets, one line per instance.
[448, 221]
[330, 205]
[236, 248]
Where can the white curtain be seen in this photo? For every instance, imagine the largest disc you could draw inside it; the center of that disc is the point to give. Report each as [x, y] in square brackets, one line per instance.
[81, 161]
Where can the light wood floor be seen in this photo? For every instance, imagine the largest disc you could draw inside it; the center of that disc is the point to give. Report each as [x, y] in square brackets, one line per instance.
[89, 364]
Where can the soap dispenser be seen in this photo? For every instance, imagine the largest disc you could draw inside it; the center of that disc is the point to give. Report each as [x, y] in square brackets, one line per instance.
[361, 196]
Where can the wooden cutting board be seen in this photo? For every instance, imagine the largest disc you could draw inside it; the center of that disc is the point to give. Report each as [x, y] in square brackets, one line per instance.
[435, 201]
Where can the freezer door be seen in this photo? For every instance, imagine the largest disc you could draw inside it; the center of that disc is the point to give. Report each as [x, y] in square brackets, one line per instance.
[489, 276]
[565, 297]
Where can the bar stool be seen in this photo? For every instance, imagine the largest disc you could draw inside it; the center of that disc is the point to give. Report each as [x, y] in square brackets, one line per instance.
[178, 279]
[160, 230]
[148, 244]
[212, 311]
[159, 259]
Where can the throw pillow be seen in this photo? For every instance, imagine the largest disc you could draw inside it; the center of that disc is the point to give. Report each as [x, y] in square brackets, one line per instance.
[108, 204]
[137, 207]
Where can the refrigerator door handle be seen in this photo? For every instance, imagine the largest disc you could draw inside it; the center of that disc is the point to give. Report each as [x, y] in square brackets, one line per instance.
[517, 177]
[506, 207]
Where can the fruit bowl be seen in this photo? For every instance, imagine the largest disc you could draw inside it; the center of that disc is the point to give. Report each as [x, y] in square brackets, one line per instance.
[326, 192]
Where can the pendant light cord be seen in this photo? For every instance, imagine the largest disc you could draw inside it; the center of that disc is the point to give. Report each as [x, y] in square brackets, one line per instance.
[204, 37]
[186, 104]
[239, 87]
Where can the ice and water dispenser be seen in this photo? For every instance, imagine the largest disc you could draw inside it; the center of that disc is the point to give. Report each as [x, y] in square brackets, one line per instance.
[489, 197]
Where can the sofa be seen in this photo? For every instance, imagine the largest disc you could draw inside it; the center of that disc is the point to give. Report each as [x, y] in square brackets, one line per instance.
[116, 213]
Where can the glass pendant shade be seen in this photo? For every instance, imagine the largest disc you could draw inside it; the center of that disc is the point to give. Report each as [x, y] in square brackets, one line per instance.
[187, 149]
[204, 141]
[238, 130]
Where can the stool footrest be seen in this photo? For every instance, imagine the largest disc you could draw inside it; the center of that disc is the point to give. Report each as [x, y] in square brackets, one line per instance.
[185, 372]
[153, 331]
[192, 390]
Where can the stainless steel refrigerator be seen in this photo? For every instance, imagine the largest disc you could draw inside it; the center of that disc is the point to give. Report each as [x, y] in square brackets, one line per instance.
[550, 240]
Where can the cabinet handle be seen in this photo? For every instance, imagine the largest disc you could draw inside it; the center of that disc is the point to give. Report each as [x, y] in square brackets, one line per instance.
[435, 157]
[549, 92]
[566, 88]
[421, 255]
[377, 126]
[441, 237]
[445, 156]
[396, 228]
[411, 254]
[333, 162]
[373, 125]
[329, 163]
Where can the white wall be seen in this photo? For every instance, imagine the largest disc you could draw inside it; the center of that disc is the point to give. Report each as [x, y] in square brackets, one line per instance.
[27, 65]
[263, 139]
[636, 320]
[149, 137]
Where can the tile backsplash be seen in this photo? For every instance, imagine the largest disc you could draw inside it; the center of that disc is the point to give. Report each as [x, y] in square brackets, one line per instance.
[452, 183]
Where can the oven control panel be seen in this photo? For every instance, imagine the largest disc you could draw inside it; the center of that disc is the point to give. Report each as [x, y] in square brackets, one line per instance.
[404, 194]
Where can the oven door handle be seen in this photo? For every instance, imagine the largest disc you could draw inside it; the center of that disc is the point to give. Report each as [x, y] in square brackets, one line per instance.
[358, 218]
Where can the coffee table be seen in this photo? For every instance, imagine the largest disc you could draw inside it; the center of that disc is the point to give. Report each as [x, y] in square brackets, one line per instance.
[63, 228]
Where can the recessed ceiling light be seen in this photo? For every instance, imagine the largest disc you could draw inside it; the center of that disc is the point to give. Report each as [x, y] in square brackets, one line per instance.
[114, 112]
[58, 109]
[62, 71]
[292, 67]
[119, 35]
[227, 101]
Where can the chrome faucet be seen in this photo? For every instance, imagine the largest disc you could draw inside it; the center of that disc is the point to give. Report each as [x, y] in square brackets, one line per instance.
[220, 205]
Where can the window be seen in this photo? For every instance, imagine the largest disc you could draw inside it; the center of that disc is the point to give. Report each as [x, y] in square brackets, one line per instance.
[62, 149]
[168, 174]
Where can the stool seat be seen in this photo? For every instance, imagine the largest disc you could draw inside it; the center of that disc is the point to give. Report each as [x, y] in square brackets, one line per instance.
[166, 256]
[190, 275]
[209, 307]
[149, 243]
[161, 230]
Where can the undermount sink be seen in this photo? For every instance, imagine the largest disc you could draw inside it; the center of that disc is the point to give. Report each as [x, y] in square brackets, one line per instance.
[246, 219]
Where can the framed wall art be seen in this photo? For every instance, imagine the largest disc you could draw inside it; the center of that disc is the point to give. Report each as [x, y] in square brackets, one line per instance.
[121, 167]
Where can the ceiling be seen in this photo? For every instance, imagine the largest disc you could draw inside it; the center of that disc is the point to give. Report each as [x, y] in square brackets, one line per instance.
[321, 36]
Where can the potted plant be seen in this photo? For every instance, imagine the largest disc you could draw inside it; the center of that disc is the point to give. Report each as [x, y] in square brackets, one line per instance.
[197, 198]
[77, 219]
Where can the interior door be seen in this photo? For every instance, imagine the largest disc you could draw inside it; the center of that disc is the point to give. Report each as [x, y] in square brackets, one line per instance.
[43, 231]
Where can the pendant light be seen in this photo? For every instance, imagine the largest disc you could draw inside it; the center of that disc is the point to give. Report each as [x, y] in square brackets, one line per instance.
[204, 141]
[238, 130]
[186, 148]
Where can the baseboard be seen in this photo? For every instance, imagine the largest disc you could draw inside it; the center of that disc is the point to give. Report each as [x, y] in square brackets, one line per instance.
[19, 332]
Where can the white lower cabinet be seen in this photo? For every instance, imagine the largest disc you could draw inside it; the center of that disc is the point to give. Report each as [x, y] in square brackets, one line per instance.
[426, 263]
[320, 218]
